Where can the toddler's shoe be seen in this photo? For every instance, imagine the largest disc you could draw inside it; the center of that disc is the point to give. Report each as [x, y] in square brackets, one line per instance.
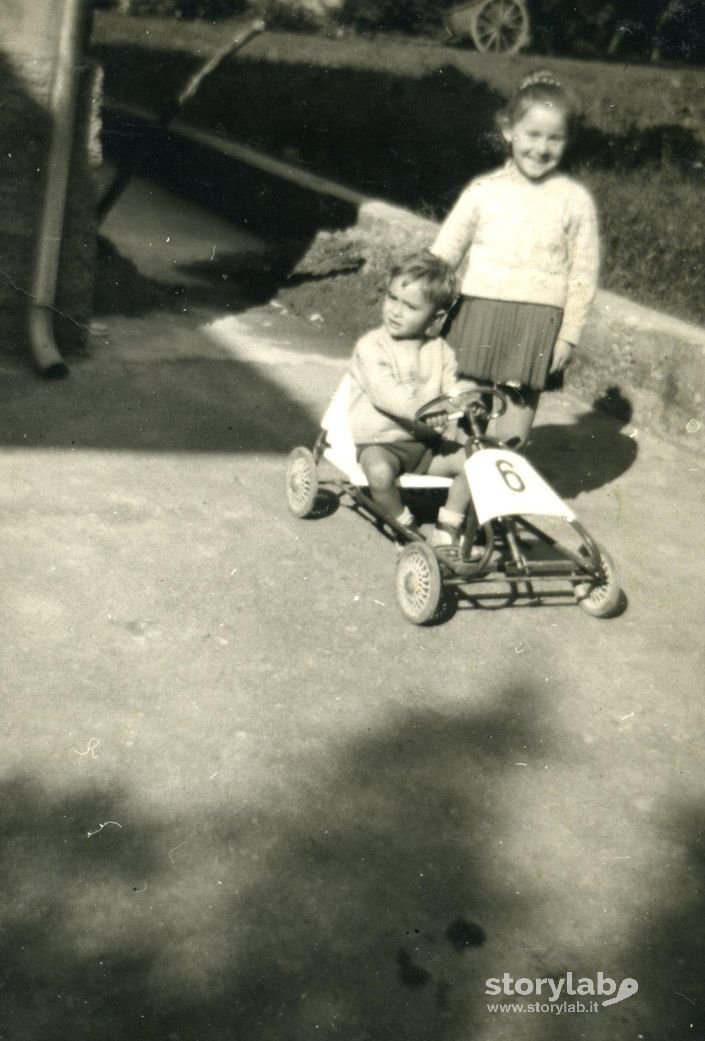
[447, 537]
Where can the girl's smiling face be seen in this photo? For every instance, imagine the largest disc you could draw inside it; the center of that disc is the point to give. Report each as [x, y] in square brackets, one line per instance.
[538, 140]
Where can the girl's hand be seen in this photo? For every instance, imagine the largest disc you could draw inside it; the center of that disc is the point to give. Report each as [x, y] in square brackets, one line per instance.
[562, 353]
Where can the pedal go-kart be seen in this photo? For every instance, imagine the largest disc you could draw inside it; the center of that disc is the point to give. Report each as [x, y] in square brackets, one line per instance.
[548, 557]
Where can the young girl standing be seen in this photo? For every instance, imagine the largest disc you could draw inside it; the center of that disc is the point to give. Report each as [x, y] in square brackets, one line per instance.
[530, 238]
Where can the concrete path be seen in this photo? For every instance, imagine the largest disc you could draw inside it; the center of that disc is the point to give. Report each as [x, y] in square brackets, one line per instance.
[242, 798]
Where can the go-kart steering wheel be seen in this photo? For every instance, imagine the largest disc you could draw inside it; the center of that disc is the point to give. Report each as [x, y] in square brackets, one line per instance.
[466, 401]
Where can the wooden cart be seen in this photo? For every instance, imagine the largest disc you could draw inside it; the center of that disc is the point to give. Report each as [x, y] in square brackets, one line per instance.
[495, 26]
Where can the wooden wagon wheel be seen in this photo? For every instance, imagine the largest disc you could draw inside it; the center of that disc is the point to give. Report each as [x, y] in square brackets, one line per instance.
[500, 26]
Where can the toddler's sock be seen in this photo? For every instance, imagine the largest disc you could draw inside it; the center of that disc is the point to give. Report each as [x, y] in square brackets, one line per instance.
[450, 518]
[447, 531]
[405, 518]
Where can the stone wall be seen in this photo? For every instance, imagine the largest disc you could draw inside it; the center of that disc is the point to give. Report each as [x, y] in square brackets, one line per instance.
[28, 39]
[655, 361]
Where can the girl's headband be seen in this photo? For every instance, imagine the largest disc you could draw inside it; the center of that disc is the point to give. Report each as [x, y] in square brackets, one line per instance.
[542, 77]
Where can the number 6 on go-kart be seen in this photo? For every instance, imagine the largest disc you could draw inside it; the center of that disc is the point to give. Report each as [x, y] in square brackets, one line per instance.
[523, 544]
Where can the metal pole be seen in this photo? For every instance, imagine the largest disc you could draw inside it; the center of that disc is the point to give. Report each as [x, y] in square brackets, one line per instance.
[63, 116]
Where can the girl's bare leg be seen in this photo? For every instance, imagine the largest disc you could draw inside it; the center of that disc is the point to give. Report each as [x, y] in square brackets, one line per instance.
[514, 427]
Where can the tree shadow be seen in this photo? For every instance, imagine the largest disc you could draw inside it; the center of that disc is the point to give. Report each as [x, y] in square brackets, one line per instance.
[329, 120]
[665, 951]
[287, 215]
[209, 402]
[357, 904]
[233, 282]
[590, 453]
[181, 392]
[365, 894]
[668, 949]
[326, 119]
[65, 861]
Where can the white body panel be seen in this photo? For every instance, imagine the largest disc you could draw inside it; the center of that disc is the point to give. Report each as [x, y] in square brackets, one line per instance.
[504, 483]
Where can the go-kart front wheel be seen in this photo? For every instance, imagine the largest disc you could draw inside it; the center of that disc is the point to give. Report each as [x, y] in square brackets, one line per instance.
[419, 585]
[301, 482]
[602, 596]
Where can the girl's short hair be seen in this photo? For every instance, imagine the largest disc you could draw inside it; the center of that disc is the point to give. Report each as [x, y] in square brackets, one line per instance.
[437, 276]
[539, 88]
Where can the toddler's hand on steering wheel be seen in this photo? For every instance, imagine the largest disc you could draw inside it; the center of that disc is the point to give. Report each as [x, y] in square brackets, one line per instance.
[437, 421]
[470, 401]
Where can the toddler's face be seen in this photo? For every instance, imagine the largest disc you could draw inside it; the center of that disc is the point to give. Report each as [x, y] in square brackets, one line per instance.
[538, 141]
[406, 310]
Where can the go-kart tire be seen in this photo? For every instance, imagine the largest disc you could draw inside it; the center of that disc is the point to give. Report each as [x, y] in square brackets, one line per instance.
[419, 586]
[601, 598]
[301, 482]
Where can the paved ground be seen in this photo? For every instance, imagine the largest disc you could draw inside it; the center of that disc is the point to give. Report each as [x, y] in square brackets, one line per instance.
[242, 797]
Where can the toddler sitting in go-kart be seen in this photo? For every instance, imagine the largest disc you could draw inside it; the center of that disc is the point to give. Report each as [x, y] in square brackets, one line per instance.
[396, 369]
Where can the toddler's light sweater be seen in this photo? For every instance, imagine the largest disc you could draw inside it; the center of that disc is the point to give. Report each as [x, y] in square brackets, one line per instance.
[394, 378]
[526, 241]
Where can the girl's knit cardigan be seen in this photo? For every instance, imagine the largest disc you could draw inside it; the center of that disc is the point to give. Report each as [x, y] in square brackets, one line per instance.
[526, 241]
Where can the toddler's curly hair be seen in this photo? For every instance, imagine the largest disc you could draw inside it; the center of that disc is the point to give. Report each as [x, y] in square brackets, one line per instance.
[436, 276]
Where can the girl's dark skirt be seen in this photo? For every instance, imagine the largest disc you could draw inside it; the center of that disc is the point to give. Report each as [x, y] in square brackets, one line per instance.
[504, 342]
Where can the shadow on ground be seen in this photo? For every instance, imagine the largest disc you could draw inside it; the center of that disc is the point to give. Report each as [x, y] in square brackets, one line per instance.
[172, 405]
[287, 215]
[592, 452]
[356, 905]
[168, 387]
[233, 283]
[366, 899]
[669, 945]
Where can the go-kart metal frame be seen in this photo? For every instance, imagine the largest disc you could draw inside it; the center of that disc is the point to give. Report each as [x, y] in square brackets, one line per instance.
[520, 560]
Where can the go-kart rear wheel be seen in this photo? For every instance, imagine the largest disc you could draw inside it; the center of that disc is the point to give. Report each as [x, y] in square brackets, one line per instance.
[601, 597]
[418, 583]
[301, 482]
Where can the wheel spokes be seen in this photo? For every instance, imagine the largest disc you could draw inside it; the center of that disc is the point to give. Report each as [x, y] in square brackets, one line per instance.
[301, 479]
[499, 25]
[417, 582]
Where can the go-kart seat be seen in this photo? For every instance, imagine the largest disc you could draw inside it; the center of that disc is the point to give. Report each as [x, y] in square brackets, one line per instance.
[340, 450]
